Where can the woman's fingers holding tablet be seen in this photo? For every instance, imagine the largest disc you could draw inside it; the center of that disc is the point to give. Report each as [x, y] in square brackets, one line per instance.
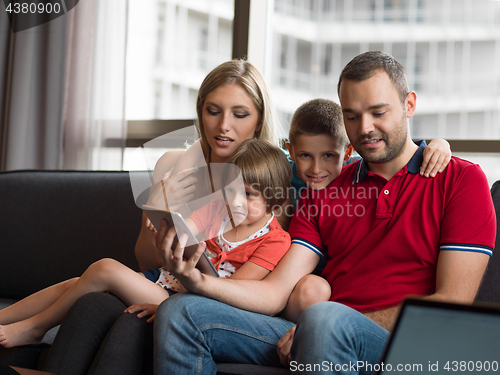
[164, 239]
[193, 261]
[173, 260]
[178, 257]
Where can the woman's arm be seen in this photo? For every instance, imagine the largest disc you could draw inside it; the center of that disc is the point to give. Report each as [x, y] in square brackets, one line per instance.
[146, 251]
[284, 214]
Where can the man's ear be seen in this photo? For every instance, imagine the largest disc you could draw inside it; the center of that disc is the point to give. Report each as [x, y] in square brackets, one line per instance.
[289, 147]
[348, 152]
[411, 104]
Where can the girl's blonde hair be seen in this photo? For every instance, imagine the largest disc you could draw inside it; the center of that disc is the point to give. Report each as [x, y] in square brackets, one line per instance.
[251, 80]
[264, 167]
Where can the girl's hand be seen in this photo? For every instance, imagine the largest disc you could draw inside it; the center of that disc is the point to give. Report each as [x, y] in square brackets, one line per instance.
[437, 155]
[184, 270]
[145, 308]
[173, 191]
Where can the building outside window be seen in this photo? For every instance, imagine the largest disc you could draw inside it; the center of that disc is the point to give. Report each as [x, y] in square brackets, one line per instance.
[177, 46]
[450, 50]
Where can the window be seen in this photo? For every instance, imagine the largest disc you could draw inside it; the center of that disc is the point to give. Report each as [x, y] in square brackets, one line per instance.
[170, 52]
[450, 50]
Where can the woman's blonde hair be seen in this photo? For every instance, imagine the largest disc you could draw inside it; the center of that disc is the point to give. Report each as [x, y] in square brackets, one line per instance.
[251, 80]
[264, 167]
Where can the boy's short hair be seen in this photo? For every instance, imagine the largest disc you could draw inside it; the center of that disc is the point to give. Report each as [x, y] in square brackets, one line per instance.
[319, 117]
[265, 168]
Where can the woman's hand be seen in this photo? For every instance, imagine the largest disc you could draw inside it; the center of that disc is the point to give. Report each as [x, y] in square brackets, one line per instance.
[437, 155]
[173, 191]
[145, 310]
[184, 270]
[284, 346]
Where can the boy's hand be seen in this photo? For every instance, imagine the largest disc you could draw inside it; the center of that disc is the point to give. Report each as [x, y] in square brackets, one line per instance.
[184, 270]
[437, 155]
[284, 346]
[145, 308]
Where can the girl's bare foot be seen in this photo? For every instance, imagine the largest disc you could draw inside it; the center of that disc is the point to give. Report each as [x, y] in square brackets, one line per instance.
[19, 334]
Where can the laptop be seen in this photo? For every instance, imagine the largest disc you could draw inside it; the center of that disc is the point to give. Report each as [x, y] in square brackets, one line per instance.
[442, 338]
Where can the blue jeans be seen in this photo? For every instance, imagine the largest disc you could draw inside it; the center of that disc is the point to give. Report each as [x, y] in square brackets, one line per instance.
[333, 338]
[192, 332]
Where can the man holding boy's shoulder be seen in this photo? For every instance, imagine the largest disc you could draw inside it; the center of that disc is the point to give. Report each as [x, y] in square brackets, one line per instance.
[387, 233]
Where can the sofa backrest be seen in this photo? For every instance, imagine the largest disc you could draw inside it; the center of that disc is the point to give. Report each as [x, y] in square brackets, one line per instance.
[54, 224]
[489, 291]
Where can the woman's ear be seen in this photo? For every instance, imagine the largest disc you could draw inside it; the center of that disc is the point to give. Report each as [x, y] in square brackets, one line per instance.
[258, 129]
[348, 152]
[289, 147]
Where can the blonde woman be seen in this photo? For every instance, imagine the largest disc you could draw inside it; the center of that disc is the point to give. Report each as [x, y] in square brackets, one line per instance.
[96, 337]
[233, 105]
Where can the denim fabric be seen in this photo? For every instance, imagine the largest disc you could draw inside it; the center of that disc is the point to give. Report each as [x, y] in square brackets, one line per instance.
[333, 338]
[192, 332]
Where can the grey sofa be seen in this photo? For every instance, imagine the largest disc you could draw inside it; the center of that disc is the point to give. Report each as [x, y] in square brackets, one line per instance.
[54, 224]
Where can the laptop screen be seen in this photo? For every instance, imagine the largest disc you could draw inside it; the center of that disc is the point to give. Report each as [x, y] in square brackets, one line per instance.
[440, 338]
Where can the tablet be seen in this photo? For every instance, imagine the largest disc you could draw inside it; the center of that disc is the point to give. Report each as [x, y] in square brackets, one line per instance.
[175, 219]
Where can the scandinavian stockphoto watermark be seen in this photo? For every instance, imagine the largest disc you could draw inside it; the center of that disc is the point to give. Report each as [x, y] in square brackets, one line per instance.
[25, 14]
[193, 182]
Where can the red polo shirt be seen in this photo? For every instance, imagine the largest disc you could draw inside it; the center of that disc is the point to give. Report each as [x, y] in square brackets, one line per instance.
[382, 238]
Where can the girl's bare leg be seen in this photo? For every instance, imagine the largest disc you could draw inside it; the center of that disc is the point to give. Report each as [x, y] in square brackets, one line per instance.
[34, 304]
[104, 275]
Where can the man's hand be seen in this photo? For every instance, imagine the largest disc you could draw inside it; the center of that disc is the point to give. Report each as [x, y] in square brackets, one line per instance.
[145, 308]
[284, 347]
[184, 270]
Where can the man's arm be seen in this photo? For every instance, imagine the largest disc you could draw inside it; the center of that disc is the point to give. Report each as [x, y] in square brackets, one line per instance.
[267, 296]
[458, 276]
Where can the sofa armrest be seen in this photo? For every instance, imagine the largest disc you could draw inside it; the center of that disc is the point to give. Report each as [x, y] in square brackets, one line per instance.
[489, 290]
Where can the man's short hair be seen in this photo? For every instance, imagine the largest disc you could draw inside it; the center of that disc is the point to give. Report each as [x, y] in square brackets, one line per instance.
[319, 117]
[367, 64]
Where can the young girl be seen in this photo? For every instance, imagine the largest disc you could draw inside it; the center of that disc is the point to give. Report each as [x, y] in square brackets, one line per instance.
[247, 243]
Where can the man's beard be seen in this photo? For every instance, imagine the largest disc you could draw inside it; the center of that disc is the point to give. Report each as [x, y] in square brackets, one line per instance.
[393, 147]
